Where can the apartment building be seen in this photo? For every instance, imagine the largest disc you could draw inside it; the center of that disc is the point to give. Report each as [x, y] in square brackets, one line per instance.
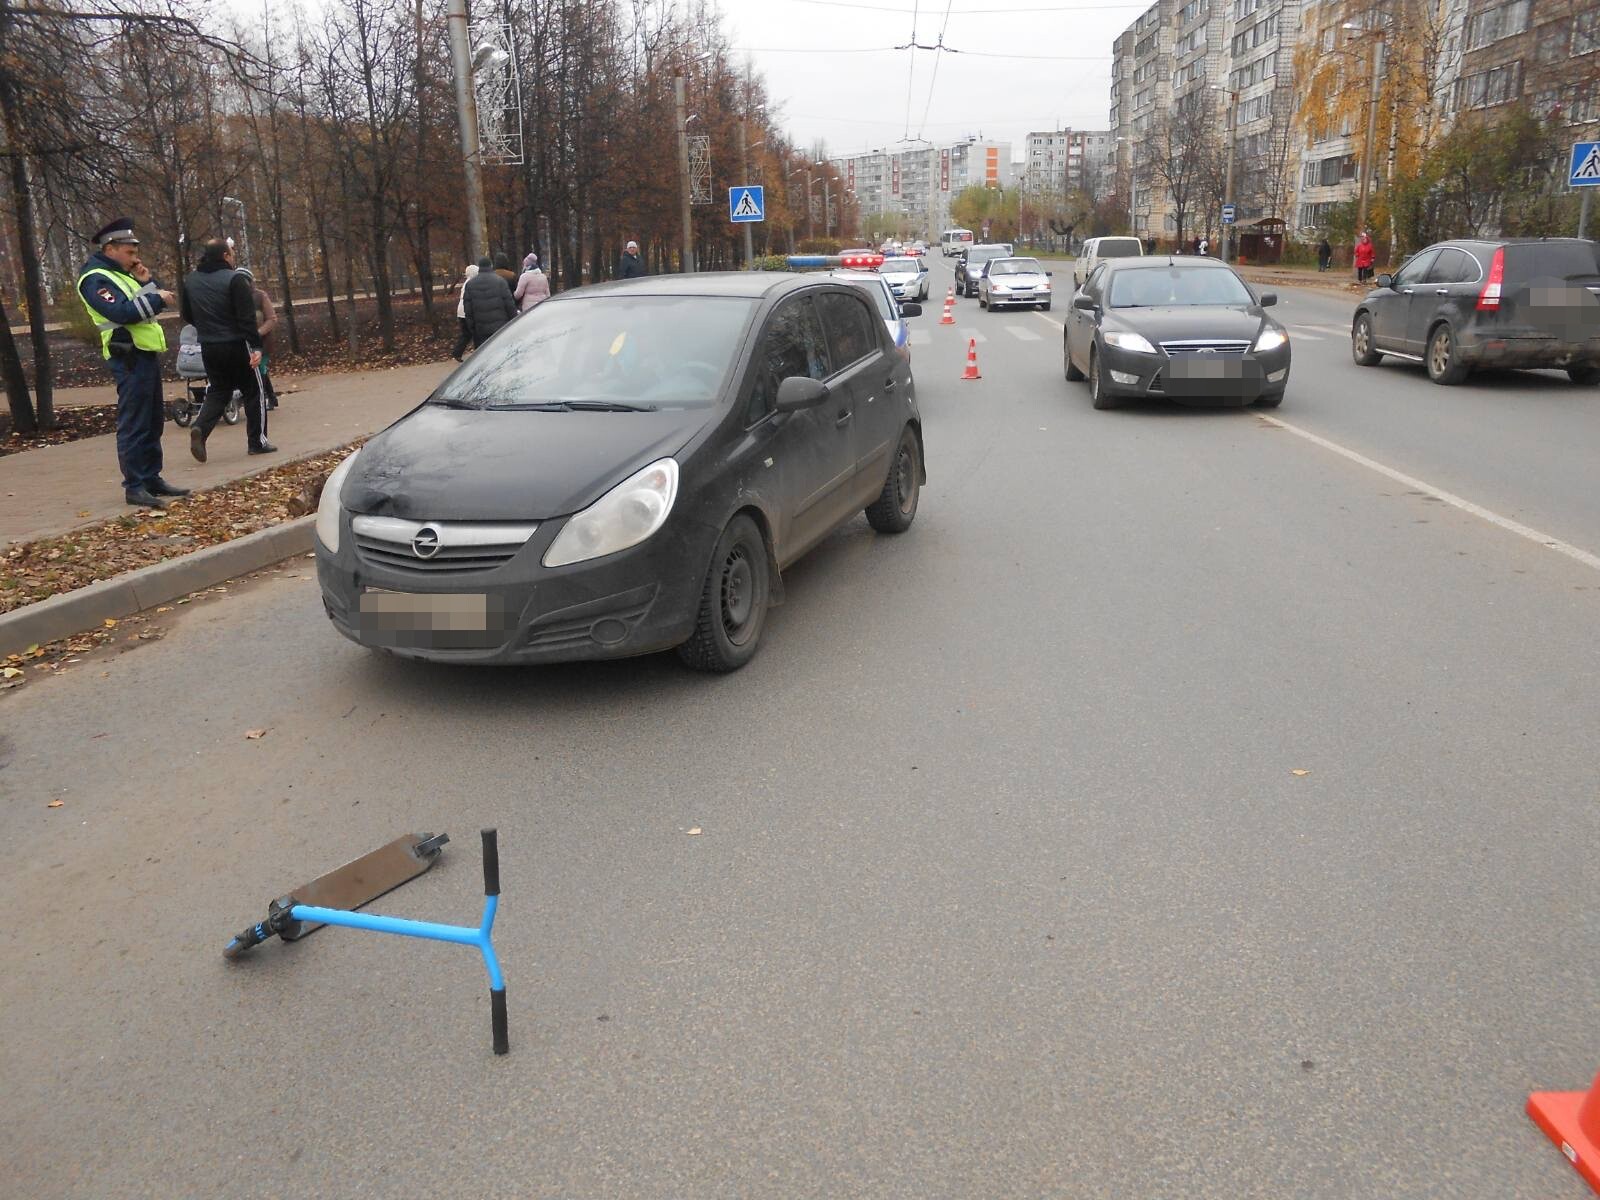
[919, 182]
[1141, 87]
[1059, 161]
[1546, 54]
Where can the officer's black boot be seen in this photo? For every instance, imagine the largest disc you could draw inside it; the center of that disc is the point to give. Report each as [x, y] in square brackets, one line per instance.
[141, 498]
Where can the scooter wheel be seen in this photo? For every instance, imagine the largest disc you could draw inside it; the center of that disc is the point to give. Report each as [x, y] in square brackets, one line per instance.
[233, 412]
[182, 414]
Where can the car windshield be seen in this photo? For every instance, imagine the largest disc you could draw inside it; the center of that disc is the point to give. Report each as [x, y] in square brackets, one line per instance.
[900, 266]
[1147, 287]
[607, 352]
[1117, 248]
[1017, 266]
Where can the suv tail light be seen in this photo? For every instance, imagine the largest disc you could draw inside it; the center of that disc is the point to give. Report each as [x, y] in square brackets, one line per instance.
[1489, 298]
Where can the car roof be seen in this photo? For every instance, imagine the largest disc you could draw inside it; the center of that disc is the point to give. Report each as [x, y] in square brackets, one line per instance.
[1148, 261]
[753, 285]
[856, 276]
[901, 258]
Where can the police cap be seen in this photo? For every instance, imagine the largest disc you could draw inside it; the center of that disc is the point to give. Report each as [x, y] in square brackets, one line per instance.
[119, 230]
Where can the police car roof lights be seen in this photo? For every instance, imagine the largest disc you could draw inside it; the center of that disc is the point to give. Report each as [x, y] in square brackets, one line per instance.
[860, 262]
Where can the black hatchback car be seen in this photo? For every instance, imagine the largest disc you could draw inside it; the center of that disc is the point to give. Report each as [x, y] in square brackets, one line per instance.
[1461, 305]
[624, 469]
[1184, 329]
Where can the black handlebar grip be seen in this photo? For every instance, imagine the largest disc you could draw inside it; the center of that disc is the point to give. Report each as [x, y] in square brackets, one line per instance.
[241, 942]
[491, 862]
[497, 1010]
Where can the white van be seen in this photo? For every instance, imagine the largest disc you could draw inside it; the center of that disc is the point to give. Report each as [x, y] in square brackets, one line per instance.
[1099, 248]
[954, 241]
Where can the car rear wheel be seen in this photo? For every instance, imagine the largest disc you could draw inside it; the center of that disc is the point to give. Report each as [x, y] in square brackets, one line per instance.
[896, 506]
[1097, 391]
[1584, 375]
[1444, 364]
[733, 601]
[1361, 347]
[1068, 367]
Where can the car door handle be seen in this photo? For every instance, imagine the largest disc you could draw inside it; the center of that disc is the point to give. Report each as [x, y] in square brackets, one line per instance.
[888, 384]
[844, 417]
[1405, 291]
[1441, 291]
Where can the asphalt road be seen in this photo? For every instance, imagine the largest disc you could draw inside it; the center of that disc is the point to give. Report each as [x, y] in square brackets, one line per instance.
[1008, 882]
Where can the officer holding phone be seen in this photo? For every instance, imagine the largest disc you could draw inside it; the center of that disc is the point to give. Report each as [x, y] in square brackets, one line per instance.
[123, 299]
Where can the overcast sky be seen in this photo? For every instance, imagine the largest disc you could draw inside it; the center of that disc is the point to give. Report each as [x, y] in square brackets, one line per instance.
[1052, 67]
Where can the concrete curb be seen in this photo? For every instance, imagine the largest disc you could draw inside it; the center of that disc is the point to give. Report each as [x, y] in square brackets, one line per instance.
[86, 608]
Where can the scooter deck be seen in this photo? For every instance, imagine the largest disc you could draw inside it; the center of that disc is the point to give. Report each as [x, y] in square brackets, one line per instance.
[362, 880]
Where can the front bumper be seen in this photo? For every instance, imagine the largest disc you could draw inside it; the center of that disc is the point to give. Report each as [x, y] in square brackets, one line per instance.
[1017, 300]
[1237, 379]
[636, 601]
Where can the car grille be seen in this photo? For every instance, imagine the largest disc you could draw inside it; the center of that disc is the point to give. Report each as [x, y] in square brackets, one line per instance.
[1201, 346]
[462, 546]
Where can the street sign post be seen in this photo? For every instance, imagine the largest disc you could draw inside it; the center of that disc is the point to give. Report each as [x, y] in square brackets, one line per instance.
[1227, 214]
[746, 204]
[1585, 174]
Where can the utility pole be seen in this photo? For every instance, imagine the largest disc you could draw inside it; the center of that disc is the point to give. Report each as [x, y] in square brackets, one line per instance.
[1583, 214]
[683, 170]
[1227, 187]
[744, 166]
[467, 121]
[827, 230]
[811, 224]
[1372, 132]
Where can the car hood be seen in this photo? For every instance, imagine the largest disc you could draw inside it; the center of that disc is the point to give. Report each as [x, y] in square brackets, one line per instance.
[444, 464]
[1182, 322]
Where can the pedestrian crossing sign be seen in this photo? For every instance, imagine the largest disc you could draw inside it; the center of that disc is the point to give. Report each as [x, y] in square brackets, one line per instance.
[747, 203]
[1585, 165]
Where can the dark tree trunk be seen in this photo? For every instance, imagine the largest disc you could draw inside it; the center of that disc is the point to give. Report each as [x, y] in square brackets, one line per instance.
[23, 419]
[38, 317]
[327, 272]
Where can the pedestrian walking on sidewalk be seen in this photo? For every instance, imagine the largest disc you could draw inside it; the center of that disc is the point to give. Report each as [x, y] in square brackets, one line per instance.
[632, 265]
[266, 322]
[502, 268]
[218, 301]
[123, 299]
[1324, 255]
[487, 301]
[463, 332]
[533, 287]
[1366, 254]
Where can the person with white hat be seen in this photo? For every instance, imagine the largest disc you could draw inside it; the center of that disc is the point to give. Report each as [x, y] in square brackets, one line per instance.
[123, 299]
[632, 264]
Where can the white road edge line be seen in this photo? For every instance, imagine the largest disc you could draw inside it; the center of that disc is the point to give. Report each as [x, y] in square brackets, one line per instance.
[1466, 506]
[1050, 320]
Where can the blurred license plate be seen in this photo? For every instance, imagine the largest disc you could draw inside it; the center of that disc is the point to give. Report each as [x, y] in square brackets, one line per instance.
[419, 611]
[1204, 367]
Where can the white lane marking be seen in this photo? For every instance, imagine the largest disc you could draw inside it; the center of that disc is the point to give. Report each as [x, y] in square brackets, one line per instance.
[973, 335]
[920, 337]
[1022, 333]
[1300, 335]
[1049, 320]
[1466, 506]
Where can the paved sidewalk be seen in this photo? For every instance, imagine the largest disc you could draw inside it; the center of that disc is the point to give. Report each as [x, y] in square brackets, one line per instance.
[55, 488]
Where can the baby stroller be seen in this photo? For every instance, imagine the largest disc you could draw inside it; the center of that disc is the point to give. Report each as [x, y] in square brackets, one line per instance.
[192, 370]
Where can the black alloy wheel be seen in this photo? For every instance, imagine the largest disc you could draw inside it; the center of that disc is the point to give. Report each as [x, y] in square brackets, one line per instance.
[733, 601]
[896, 505]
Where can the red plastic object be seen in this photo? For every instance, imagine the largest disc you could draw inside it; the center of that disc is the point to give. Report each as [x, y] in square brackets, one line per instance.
[949, 317]
[868, 261]
[1572, 1121]
[972, 360]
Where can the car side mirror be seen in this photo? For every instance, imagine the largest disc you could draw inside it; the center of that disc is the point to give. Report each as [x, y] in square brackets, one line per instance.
[1049, 273]
[1385, 281]
[1268, 299]
[1084, 302]
[911, 309]
[800, 391]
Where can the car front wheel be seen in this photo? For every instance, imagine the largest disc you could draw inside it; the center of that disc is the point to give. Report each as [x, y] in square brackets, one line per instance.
[896, 506]
[1097, 391]
[1361, 347]
[1444, 363]
[733, 601]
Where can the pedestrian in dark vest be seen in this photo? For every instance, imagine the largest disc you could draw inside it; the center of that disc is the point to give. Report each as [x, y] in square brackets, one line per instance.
[1324, 255]
[123, 299]
[487, 301]
[632, 265]
[219, 301]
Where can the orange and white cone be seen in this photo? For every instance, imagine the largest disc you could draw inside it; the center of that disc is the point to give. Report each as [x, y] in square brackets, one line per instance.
[1572, 1121]
[949, 317]
[972, 360]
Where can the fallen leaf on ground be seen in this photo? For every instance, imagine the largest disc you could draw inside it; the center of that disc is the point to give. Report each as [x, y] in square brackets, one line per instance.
[254, 735]
[54, 804]
[1299, 771]
[11, 672]
[110, 624]
[695, 832]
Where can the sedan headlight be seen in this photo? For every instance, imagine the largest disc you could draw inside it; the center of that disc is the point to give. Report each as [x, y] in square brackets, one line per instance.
[329, 510]
[1271, 338]
[623, 517]
[1127, 341]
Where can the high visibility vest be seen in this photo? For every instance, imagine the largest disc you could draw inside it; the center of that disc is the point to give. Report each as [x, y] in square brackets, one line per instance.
[147, 335]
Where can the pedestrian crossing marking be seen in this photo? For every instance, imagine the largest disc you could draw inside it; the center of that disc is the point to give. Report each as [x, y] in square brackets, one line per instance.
[1022, 334]
[972, 335]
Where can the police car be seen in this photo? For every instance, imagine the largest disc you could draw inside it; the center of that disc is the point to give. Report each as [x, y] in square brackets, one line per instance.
[862, 270]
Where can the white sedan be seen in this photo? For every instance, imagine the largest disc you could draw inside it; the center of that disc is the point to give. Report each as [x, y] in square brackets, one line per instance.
[1013, 281]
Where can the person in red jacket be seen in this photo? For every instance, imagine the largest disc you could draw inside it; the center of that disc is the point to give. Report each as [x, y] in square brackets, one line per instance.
[1366, 253]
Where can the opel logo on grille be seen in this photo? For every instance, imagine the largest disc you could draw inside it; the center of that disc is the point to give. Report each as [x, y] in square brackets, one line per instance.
[425, 543]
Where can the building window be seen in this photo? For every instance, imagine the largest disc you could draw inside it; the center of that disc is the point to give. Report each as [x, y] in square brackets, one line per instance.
[1496, 23]
[1243, 8]
[1191, 11]
[1498, 85]
[1586, 32]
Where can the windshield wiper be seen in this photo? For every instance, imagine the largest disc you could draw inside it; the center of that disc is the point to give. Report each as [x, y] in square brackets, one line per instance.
[452, 402]
[577, 406]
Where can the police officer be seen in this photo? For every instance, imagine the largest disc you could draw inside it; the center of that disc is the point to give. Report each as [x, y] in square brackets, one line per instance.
[123, 299]
[219, 301]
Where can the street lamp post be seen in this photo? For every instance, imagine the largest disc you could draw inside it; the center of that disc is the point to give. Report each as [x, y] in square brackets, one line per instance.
[1133, 188]
[1227, 186]
[685, 199]
[244, 230]
[1372, 121]
[467, 123]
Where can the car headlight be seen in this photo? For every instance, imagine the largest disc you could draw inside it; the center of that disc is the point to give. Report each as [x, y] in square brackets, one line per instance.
[1271, 338]
[329, 510]
[623, 517]
[1127, 341]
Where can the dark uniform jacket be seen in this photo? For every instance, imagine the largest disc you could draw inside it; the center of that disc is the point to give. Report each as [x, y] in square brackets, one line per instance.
[632, 267]
[489, 304]
[220, 303]
[112, 305]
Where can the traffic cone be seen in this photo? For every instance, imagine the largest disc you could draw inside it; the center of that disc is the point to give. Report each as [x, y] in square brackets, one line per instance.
[1572, 1121]
[972, 360]
[949, 317]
